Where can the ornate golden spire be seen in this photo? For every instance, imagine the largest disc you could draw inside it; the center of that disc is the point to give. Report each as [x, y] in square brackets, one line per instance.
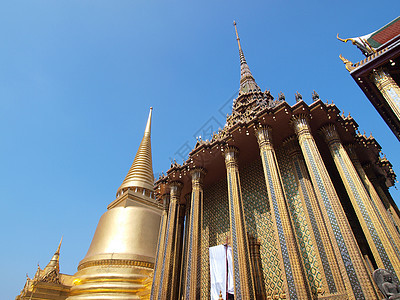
[247, 82]
[51, 272]
[141, 172]
[54, 262]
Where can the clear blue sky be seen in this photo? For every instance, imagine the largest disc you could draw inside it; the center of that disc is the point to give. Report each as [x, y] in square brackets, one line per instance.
[77, 79]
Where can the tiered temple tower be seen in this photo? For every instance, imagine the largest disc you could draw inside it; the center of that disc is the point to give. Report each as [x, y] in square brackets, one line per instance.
[300, 196]
[120, 261]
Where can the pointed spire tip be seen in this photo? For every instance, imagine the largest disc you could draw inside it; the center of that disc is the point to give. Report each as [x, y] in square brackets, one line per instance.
[59, 245]
[247, 82]
[237, 35]
[148, 125]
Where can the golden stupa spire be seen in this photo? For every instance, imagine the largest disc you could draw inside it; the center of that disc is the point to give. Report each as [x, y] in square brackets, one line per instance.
[247, 82]
[141, 172]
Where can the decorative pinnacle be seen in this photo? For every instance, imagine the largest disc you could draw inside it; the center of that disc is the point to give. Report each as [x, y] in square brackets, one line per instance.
[298, 97]
[54, 262]
[242, 58]
[59, 245]
[147, 131]
[247, 82]
[237, 36]
[315, 96]
[141, 172]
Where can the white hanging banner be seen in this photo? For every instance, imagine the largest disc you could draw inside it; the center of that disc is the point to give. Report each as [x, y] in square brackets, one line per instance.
[220, 256]
[231, 286]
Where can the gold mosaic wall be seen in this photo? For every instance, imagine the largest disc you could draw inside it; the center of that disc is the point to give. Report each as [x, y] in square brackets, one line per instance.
[258, 221]
[297, 212]
[259, 224]
[215, 227]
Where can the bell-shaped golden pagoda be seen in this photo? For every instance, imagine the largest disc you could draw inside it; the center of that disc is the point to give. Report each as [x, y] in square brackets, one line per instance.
[120, 261]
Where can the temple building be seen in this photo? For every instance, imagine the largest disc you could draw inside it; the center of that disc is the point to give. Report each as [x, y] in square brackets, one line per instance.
[378, 74]
[297, 193]
[286, 202]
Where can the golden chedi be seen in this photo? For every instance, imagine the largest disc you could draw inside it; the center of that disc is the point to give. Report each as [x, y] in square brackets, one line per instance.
[120, 261]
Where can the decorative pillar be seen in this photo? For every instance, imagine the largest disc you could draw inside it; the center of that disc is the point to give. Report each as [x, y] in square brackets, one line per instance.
[166, 278]
[389, 89]
[294, 275]
[160, 248]
[332, 281]
[255, 257]
[356, 278]
[178, 253]
[185, 247]
[193, 266]
[379, 243]
[386, 202]
[383, 215]
[393, 207]
[242, 273]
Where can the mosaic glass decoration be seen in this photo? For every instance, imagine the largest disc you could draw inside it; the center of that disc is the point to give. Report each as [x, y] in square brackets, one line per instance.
[298, 214]
[259, 224]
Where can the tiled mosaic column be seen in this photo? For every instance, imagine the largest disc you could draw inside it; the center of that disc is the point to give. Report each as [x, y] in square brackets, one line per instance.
[166, 278]
[331, 281]
[160, 248]
[389, 89]
[185, 246]
[379, 243]
[193, 266]
[385, 220]
[255, 257]
[242, 271]
[386, 202]
[356, 278]
[295, 278]
[176, 272]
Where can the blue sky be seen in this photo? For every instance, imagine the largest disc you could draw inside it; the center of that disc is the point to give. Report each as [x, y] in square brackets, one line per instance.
[77, 79]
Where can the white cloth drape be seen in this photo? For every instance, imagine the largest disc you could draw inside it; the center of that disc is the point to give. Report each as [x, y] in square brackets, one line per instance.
[231, 287]
[218, 259]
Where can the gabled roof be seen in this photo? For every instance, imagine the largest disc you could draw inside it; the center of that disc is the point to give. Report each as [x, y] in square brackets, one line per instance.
[371, 42]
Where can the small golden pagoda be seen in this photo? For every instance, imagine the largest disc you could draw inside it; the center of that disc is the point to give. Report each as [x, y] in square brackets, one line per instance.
[120, 260]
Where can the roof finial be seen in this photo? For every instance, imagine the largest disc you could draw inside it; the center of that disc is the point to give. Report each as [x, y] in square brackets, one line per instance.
[247, 82]
[53, 263]
[59, 245]
[345, 40]
[315, 95]
[298, 97]
[281, 96]
[349, 65]
[237, 37]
